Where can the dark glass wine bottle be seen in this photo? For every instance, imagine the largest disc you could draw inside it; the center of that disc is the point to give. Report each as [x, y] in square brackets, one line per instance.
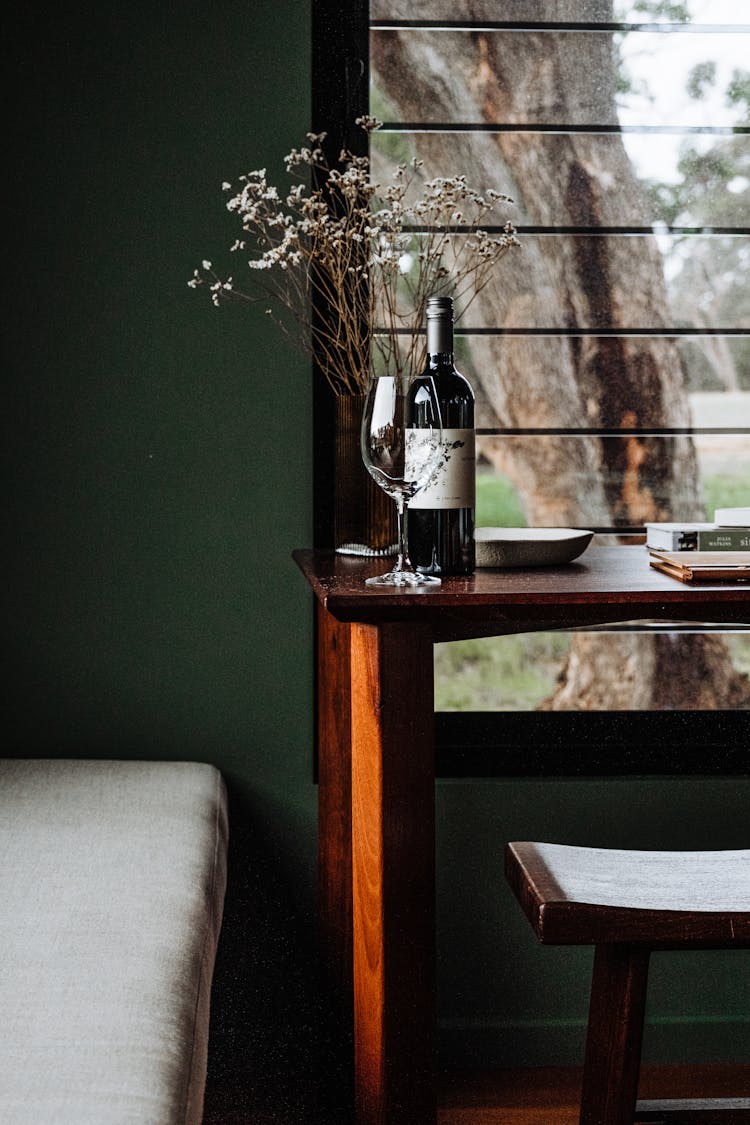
[441, 515]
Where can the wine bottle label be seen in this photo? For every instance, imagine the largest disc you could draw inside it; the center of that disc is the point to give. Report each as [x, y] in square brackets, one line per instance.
[420, 448]
[453, 483]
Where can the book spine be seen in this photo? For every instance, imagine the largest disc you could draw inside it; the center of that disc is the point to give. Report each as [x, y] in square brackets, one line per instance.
[670, 539]
[724, 539]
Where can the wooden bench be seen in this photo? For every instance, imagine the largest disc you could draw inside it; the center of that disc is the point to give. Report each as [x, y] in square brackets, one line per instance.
[111, 898]
[626, 904]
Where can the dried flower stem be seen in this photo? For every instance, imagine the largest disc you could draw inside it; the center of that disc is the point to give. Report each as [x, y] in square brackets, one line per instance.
[346, 266]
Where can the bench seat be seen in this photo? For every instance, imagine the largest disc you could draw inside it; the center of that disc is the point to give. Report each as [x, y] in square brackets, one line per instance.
[111, 897]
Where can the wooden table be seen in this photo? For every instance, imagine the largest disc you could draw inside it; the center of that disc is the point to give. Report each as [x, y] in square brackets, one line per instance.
[376, 773]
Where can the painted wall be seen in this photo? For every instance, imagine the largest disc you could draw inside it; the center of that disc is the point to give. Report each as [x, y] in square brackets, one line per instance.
[160, 476]
[161, 448]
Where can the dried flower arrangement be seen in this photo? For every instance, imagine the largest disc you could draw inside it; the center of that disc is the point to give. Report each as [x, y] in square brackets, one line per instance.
[371, 254]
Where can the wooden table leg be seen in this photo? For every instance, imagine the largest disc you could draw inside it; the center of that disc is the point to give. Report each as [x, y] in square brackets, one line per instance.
[335, 809]
[336, 1074]
[393, 857]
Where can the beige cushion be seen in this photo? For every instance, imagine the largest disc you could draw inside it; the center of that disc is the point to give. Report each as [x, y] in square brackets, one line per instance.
[111, 896]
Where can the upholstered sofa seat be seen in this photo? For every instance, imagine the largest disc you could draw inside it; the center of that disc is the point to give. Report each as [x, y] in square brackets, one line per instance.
[111, 896]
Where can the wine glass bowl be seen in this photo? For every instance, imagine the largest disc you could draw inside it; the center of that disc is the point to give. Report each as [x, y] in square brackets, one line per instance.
[401, 441]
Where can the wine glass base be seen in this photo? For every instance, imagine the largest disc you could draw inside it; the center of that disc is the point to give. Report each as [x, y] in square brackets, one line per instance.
[405, 578]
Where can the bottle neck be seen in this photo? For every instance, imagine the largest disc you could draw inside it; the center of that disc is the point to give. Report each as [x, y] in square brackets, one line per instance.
[440, 337]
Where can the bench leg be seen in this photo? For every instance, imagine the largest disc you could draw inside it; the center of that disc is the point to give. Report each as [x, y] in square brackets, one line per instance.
[615, 1033]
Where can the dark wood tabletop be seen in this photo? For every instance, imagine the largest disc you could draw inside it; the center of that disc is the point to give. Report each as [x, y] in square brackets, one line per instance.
[605, 584]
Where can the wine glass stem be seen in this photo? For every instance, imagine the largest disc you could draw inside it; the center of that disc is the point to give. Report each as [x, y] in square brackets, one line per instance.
[402, 563]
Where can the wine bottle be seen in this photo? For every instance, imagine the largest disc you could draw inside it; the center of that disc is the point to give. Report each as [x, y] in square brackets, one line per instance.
[441, 515]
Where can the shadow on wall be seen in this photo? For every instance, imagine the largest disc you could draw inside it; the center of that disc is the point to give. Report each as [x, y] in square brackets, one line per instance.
[275, 1051]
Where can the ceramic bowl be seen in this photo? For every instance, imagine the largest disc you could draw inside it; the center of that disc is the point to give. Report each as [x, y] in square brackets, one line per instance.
[529, 546]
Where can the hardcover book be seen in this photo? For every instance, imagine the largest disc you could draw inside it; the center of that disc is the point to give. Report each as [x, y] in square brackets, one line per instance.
[732, 517]
[696, 537]
[703, 566]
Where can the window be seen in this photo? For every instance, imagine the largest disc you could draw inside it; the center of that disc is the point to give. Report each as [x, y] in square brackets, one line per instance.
[612, 362]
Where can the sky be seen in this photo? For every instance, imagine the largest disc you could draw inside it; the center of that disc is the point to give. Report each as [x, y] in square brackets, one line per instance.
[662, 63]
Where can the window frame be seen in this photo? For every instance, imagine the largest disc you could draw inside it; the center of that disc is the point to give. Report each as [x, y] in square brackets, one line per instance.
[499, 743]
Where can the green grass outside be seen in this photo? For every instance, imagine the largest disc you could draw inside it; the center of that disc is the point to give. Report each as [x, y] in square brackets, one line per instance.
[725, 491]
[498, 504]
[512, 673]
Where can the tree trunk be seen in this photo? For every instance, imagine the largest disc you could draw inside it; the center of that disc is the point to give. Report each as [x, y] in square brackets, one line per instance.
[580, 281]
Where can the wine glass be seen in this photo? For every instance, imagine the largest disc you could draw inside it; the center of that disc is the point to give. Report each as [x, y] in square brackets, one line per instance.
[401, 443]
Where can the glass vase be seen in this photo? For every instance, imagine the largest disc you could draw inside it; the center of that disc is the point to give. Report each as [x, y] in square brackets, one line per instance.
[364, 517]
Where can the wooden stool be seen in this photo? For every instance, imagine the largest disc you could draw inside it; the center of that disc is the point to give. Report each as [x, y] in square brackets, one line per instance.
[626, 903]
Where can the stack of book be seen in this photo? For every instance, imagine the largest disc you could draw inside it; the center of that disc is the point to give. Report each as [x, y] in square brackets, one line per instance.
[707, 552]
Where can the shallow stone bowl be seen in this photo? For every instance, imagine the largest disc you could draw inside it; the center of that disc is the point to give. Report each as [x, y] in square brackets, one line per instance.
[529, 546]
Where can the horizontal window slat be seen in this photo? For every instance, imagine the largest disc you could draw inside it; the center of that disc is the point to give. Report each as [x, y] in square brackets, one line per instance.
[606, 232]
[621, 26]
[611, 431]
[737, 443]
[564, 128]
[667, 333]
[531, 13]
[591, 232]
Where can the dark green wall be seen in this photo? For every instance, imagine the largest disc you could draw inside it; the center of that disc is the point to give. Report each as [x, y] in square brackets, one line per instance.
[161, 448]
[159, 456]
[507, 1000]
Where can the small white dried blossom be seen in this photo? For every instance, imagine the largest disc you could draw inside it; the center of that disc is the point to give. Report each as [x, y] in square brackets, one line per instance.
[368, 123]
[373, 253]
